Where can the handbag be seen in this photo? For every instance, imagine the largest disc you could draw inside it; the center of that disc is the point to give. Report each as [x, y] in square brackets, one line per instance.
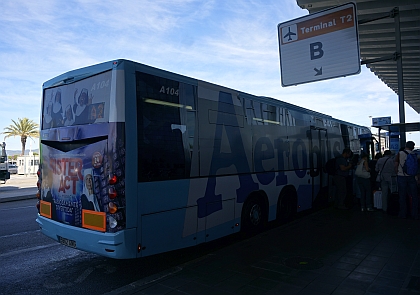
[378, 177]
[361, 172]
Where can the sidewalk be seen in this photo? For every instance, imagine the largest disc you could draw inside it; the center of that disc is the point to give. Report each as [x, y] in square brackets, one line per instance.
[18, 187]
[328, 252]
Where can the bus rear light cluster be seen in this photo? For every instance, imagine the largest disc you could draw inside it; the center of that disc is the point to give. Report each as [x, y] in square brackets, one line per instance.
[112, 193]
[112, 179]
[112, 222]
[112, 208]
[113, 205]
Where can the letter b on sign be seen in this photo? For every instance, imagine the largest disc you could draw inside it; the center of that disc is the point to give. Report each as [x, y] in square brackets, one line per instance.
[316, 50]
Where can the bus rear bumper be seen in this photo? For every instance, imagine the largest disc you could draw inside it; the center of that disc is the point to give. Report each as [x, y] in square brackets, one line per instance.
[120, 245]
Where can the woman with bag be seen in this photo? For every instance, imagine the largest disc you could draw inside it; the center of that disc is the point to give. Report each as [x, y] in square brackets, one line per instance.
[363, 180]
[386, 170]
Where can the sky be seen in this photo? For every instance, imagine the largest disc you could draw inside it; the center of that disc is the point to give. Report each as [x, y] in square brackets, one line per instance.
[231, 43]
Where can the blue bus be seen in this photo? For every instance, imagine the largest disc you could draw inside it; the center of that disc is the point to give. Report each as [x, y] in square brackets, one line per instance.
[136, 161]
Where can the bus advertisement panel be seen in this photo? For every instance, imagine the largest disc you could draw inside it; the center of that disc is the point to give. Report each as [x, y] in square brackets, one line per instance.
[72, 182]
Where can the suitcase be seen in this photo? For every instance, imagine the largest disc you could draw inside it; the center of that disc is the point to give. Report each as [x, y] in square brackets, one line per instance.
[377, 199]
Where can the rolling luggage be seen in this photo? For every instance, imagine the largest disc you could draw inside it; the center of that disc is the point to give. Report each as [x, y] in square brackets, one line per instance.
[377, 199]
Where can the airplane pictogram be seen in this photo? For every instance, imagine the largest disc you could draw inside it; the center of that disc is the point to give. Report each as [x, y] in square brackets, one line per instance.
[289, 34]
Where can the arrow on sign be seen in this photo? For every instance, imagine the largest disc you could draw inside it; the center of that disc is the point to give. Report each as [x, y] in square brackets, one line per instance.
[318, 72]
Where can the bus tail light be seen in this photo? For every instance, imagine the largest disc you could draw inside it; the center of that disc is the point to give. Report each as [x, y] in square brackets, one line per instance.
[112, 179]
[113, 208]
[112, 193]
[112, 222]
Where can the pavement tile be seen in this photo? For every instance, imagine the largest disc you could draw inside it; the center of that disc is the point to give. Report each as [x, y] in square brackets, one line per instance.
[317, 286]
[387, 274]
[273, 267]
[344, 266]
[331, 279]
[368, 270]
[263, 283]
[361, 277]
[156, 289]
[382, 289]
[234, 282]
[343, 290]
[350, 260]
[284, 288]
[390, 282]
[193, 288]
[249, 290]
[214, 278]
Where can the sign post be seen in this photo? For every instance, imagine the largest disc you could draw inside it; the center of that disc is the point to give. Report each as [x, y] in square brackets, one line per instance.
[319, 46]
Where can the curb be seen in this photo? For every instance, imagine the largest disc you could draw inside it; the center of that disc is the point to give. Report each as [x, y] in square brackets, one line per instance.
[17, 198]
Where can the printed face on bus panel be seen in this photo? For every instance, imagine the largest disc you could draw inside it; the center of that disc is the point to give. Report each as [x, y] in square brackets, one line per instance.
[49, 108]
[83, 97]
[89, 183]
[100, 111]
[69, 113]
[58, 96]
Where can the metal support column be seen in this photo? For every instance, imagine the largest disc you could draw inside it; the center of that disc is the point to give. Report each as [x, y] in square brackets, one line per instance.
[400, 77]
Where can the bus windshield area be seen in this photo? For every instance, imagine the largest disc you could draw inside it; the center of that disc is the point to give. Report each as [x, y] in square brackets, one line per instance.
[83, 102]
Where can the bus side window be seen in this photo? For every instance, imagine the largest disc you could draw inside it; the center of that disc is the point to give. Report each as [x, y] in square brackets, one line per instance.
[166, 126]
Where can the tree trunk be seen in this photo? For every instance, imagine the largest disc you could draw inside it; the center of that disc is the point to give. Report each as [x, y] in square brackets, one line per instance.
[23, 141]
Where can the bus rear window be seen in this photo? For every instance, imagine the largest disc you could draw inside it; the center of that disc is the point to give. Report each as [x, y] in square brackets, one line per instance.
[83, 102]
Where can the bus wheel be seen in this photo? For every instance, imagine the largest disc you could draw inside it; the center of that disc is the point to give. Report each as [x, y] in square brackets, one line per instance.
[254, 216]
[286, 206]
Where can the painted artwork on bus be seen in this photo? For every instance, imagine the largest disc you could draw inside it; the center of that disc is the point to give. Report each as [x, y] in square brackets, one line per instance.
[83, 102]
[77, 179]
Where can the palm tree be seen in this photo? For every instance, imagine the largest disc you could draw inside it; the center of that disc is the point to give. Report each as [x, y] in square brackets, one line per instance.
[24, 128]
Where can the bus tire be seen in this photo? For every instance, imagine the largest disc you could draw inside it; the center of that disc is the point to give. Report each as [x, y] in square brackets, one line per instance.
[254, 215]
[287, 205]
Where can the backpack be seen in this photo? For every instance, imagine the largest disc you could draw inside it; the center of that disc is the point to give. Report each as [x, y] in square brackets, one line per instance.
[410, 166]
[330, 167]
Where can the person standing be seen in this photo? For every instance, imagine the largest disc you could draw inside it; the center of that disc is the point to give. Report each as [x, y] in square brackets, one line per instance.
[342, 167]
[385, 169]
[363, 180]
[406, 183]
[373, 173]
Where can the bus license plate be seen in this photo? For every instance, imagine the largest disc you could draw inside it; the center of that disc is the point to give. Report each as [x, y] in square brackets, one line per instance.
[67, 242]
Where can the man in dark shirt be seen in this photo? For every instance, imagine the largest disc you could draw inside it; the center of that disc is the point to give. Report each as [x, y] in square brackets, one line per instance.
[407, 184]
[342, 167]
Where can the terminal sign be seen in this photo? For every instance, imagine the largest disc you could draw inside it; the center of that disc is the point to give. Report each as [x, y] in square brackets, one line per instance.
[319, 46]
[381, 121]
